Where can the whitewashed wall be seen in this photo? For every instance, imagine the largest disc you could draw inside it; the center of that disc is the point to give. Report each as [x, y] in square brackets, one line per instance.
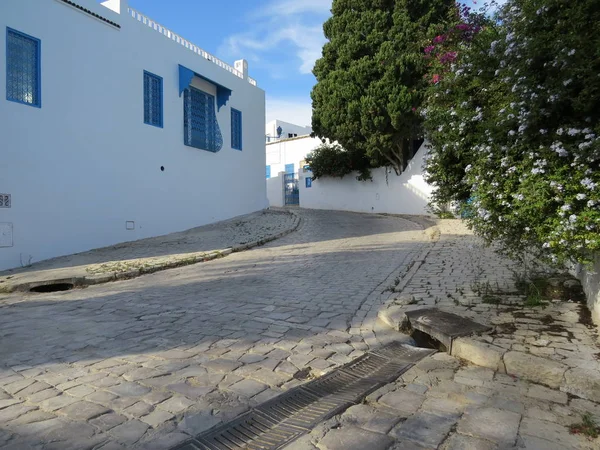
[84, 163]
[275, 190]
[289, 151]
[404, 194]
[590, 280]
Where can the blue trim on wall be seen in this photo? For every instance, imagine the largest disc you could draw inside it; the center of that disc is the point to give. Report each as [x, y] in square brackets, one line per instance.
[268, 172]
[38, 103]
[185, 78]
[160, 99]
[236, 129]
[289, 168]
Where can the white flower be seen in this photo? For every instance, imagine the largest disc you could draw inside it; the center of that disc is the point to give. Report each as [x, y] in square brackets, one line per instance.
[565, 207]
[567, 82]
[588, 183]
[571, 52]
[591, 203]
[546, 245]
[469, 167]
[581, 196]
[511, 133]
[543, 131]
[573, 131]
[560, 131]
[572, 218]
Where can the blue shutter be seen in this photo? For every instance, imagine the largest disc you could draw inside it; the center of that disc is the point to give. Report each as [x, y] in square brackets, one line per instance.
[236, 129]
[200, 127]
[268, 172]
[23, 68]
[153, 100]
[289, 168]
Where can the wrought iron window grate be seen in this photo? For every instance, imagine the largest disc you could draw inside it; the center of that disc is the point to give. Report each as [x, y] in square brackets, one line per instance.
[236, 129]
[200, 126]
[22, 68]
[153, 101]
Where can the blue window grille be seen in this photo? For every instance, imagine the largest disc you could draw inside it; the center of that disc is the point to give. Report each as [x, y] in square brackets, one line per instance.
[23, 68]
[236, 129]
[289, 168]
[308, 182]
[153, 99]
[268, 172]
[200, 127]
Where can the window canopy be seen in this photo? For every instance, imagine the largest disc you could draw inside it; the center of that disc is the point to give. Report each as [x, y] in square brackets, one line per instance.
[185, 78]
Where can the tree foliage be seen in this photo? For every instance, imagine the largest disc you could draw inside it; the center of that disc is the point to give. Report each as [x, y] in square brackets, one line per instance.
[370, 79]
[513, 117]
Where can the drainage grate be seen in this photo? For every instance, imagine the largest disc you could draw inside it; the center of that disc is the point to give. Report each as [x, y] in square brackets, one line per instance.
[283, 419]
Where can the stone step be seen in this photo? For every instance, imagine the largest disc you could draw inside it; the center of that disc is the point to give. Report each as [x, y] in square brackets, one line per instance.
[443, 326]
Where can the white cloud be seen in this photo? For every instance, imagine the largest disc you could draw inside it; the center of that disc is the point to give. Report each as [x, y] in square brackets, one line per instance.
[283, 22]
[294, 110]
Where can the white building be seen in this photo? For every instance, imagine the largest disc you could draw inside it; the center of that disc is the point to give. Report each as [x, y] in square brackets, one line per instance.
[115, 129]
[278, 129]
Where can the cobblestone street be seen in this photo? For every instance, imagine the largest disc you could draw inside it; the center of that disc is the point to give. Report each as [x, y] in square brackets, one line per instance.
[145, 361]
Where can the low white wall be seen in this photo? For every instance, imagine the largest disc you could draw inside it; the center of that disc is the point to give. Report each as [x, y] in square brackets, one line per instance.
[590, 280]
[404, 194]
[275, 190]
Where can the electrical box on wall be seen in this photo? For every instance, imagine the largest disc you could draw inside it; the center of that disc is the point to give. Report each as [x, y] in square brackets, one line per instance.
[130, 225]
[4, 200]
[6, 234]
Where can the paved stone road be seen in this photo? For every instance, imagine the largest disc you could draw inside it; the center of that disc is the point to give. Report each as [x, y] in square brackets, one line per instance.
[140, 363]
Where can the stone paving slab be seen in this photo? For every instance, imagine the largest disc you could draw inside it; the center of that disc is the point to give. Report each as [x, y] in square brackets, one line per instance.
[132, 259]
[174, 353]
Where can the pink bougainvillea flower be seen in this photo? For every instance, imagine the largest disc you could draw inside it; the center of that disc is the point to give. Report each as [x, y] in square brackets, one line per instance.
[429, 49]
[435, 79]
[439, 39]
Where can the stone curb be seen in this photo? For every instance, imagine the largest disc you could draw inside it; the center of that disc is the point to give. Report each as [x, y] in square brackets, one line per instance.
[82, 281]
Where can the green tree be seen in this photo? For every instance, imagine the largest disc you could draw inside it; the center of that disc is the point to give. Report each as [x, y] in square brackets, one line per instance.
[370, 79]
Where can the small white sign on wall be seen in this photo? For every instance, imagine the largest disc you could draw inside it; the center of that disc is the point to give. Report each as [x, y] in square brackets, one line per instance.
[6, 234]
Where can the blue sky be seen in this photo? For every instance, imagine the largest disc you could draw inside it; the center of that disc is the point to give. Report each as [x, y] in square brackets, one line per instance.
[281, 39]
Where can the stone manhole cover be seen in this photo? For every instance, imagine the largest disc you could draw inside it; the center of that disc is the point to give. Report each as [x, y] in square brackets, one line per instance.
[443, 326]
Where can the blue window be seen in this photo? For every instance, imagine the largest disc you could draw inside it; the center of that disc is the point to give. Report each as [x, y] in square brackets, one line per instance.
[153, 99]
[236, 129]
[23, 68]
[308, 182]
[289, 168]
[200, 127]
[268, 172]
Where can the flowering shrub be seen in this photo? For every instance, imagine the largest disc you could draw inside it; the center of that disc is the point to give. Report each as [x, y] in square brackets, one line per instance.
[334, 161]
[513, 120]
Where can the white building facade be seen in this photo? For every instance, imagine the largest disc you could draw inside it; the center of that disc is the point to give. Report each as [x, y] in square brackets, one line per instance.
[278, 129]
[116, 129]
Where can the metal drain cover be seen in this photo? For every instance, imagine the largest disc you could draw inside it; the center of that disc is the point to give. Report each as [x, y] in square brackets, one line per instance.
[281, 420]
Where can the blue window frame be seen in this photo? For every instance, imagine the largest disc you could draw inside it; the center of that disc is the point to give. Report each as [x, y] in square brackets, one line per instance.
[308, 182]
[153, 99]
[289, 168]
[268, 172]
[23, 68]
[200, 127]
[236, 129]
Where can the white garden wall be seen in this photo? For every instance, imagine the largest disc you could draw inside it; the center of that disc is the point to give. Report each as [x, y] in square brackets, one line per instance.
[84, 163]
[590, 280]
[404, 194]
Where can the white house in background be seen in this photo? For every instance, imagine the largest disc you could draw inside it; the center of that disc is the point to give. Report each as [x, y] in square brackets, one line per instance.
[289, 183]
[278, 129]
[114, 128]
